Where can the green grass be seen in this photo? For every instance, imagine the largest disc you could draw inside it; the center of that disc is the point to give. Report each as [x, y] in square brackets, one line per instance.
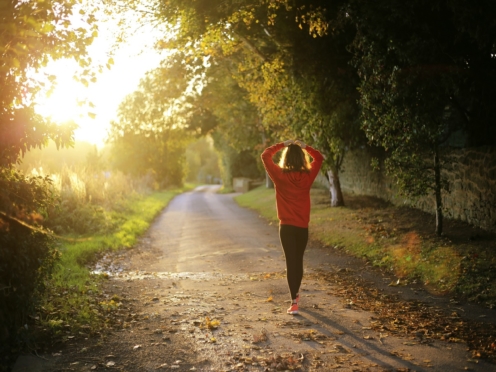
[225, 190]
[260, 199]
[386, 240]
[71, 299]
[137, 216]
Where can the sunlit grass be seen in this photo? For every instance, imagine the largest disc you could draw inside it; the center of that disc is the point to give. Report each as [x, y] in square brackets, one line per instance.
[405, 254]
[260, 199]
[225, 190]
[140, 212]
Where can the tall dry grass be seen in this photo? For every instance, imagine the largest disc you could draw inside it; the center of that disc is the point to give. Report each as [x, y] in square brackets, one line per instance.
[87, 198]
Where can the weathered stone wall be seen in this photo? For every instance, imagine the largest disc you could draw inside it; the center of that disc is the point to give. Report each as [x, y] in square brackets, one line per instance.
[471, 173]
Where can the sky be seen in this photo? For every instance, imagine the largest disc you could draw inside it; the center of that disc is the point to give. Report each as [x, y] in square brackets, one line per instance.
[132, 60]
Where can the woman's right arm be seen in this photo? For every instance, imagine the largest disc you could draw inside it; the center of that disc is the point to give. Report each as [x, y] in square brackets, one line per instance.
[268, 163]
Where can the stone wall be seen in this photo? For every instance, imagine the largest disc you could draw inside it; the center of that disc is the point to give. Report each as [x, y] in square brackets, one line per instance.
[471, 173]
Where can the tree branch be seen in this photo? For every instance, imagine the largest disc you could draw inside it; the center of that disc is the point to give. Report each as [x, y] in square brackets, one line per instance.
[38, 229]
[251, 47]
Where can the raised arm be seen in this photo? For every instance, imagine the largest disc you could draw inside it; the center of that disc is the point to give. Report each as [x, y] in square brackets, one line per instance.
[317, 160]
[267, 155]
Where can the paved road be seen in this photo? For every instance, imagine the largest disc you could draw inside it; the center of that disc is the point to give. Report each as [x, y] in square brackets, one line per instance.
[201, 231]
[211, 274]
[231, 262]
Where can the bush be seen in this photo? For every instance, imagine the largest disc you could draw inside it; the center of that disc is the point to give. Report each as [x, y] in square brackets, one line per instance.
[72, 202]
[27, 254]
[87, 197]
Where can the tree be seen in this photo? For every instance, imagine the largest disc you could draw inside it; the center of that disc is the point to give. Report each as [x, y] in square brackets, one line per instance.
[31, 34]
[149, 135]
[202, 161]
[425, 73]
[300, 82]
[223, 111]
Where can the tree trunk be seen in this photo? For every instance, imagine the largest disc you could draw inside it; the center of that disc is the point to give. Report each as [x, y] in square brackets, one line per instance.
[225, 170]
[439, 201]
[336, 194]
[268, 181]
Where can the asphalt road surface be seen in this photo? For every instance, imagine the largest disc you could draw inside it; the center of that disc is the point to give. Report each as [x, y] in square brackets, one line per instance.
[212, 274]
[230, 260]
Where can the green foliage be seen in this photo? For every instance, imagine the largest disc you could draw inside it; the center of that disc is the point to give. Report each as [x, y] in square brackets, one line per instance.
[132, 219]
[299, 83]
[27, 255]
[87, 199]
[420, 80]
[70, 301]
[245, 164]
[31, 34]
[73, 217]
[27, 260]
[149, 135]
[202, 161]
[224, 111]
[423, 69]
[162, 155]
[53, 160]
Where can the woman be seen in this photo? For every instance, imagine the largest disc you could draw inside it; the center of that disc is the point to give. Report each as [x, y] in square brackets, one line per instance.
[293, 178]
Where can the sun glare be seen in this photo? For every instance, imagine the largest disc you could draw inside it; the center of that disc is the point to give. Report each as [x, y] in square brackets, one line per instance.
[93, 107]
[62, 105]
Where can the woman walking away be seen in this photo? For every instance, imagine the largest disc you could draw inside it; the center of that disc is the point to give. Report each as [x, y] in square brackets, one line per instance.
[293, 178]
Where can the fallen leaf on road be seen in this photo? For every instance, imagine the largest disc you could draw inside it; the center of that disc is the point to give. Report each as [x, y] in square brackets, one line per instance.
[211, 324]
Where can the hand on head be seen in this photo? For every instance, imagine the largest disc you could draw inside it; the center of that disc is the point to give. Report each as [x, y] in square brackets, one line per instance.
[295, 142]
[300, 143]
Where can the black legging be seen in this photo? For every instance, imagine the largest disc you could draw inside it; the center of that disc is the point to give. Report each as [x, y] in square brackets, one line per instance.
[294, 241]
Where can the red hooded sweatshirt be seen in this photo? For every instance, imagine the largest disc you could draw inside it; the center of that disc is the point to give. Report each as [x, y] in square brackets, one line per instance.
[292, 188]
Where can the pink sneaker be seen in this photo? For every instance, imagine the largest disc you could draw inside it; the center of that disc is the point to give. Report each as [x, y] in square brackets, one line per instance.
[293, 310]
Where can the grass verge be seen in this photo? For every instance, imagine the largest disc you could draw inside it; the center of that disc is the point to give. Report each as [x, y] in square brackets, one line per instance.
[72, 304]
[400, 240]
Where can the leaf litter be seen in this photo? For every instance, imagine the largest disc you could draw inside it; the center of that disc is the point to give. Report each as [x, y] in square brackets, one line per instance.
[419, 321]
[414, 319]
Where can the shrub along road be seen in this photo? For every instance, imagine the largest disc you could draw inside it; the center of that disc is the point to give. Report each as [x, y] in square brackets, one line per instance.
[205, 290]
